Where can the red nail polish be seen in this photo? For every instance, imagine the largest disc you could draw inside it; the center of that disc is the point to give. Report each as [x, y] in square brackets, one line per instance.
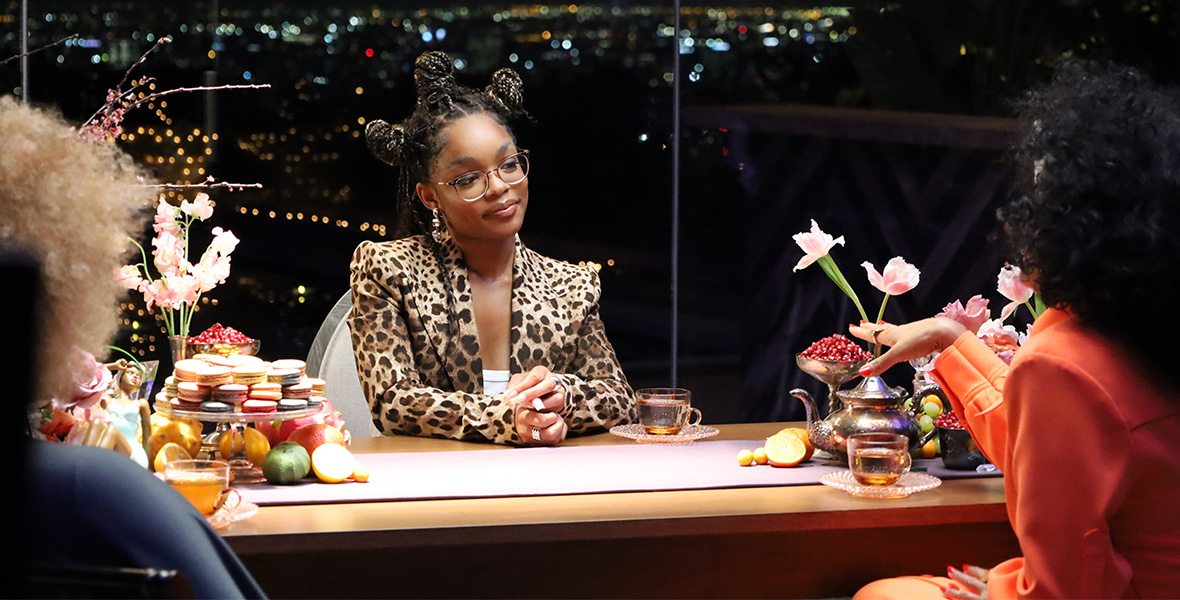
[950, 571]
[865, 371]
[965, 567]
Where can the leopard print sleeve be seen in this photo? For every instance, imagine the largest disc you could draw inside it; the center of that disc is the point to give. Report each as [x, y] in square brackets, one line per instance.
[599, 396]
[400, 371]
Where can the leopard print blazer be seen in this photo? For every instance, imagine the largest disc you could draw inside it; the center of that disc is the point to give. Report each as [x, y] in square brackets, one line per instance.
[417, 347]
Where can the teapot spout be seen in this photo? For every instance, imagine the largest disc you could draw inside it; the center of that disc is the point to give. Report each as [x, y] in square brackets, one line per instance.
[808, 405]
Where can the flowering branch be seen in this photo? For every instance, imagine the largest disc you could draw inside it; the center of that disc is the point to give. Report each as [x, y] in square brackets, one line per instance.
[209, 183]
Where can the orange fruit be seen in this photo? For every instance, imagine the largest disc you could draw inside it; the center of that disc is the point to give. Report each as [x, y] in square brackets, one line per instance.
[230, 444]
[803, 437]
[360, 473]
[930, 449]
[785, 451]
[169, 452]
[935, 399]
[760, 456]
[256, 446]
[745, 458]
[332, 463]
[314, 435]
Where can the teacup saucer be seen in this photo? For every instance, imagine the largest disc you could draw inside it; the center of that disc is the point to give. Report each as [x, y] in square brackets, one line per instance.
[910, 483]
[691, 433]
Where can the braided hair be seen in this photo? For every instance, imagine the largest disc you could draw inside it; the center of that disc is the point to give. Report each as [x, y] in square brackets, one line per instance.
[413, 144]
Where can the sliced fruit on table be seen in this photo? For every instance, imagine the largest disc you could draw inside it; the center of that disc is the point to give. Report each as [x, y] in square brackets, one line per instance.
[785, 450]
[332, 463]
[803, 437]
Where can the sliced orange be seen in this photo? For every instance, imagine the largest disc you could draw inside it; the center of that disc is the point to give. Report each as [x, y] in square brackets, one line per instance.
[785, 450]
[168, 453]
[360, 473]
[803, 437]
[332, 463]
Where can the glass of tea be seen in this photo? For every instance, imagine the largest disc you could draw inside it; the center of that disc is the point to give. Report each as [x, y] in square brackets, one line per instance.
[665, 411]
[878, 458]
[201, 482]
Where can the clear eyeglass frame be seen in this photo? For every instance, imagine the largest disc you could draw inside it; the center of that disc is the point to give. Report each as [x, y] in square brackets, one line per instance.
[511, 178]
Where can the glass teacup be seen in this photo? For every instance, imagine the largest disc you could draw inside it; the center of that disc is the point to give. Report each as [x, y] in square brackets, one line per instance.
[878, 459]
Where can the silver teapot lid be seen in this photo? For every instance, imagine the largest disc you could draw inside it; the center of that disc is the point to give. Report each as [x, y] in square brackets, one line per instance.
[873, 388]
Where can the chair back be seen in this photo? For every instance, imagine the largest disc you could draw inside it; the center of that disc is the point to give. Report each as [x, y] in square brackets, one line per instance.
[76, 581]
[331, 359]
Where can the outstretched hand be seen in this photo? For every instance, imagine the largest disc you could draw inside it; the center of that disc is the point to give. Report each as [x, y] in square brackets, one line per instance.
[908, 341]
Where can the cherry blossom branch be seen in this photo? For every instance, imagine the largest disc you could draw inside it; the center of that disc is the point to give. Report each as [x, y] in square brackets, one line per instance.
[36, 50]
[209, 183]
[211, 88]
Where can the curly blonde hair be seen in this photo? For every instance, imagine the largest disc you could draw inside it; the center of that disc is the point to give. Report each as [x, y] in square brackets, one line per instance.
[74, 205]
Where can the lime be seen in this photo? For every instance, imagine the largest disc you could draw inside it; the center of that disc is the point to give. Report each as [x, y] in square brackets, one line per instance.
[286, 463]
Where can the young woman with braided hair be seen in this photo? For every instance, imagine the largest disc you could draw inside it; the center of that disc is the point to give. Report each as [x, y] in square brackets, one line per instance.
[460, 331]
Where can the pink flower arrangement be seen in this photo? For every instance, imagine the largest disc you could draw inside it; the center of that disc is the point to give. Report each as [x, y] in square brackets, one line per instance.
[179, 283]
[972, 316]
[898, 277]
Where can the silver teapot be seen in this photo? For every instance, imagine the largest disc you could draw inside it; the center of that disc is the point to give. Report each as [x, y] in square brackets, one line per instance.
[872, 406]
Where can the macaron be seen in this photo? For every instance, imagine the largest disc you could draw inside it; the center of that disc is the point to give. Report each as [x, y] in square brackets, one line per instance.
[231, 393]
[186, 369]
[191, 393]
[317, 385]
[259, 406]
[214, 376]
[170, 386]
[292, 404]
[207, 358]
[260, 393]
[249, 374]
[284, 376]
[315, 401]
[238, 360]
[213, 406]
[299, 390]
[290, 363]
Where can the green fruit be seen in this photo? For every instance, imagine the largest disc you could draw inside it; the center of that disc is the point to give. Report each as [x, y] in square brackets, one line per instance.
[931, 409]
[286, 463]
[926, 423]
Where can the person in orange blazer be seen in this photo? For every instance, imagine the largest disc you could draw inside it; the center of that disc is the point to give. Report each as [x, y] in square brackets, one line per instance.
[1085, 424]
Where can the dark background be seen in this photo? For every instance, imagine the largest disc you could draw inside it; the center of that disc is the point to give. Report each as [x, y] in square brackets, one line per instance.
[884, 121]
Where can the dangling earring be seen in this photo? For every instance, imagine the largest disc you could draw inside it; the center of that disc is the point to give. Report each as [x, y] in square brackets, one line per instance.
[436, 227]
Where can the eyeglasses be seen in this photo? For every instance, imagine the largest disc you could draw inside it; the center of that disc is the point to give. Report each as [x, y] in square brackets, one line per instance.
[473, 185]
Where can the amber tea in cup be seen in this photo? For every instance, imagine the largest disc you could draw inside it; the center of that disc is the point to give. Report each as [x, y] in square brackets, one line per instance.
[665, 411]
[201, 482]
[878, 458]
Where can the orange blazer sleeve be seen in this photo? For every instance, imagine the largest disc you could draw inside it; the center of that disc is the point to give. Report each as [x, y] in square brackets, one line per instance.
[1069, 471]
[973, 378]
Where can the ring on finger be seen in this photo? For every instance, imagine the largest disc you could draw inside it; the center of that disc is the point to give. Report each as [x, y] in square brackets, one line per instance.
[536, 434]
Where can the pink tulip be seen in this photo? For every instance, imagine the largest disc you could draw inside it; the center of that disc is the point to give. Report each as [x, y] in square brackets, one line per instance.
[899, 277]
[1010, 284]
[972, 316]
[815, 244]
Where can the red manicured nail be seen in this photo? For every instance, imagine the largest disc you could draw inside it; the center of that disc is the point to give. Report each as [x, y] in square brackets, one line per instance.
[966, 567]
[865, 371]
[950, 571]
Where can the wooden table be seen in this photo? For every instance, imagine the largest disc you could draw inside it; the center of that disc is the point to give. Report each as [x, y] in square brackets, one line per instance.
[801, 541]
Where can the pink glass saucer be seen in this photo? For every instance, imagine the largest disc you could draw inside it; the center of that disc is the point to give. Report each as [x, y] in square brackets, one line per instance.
[636, 432]
[910, 483]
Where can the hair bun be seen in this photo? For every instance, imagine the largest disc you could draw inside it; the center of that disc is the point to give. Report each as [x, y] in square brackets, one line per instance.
[506, 91]
[386, 142]
[434, 76]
